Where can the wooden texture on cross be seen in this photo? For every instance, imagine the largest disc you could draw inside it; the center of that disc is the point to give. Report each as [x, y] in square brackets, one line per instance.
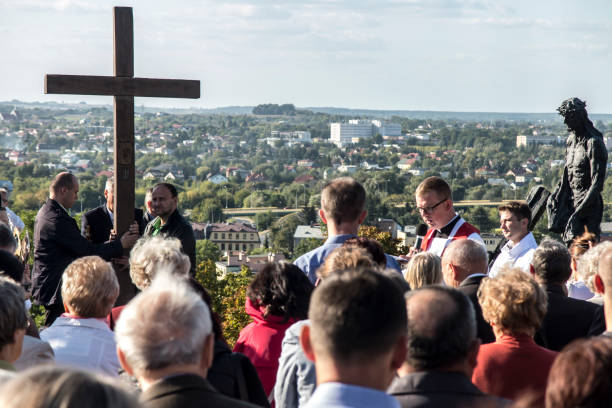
[123, 87]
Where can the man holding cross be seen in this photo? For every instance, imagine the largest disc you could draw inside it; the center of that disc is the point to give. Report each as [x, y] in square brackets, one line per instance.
[58, 242]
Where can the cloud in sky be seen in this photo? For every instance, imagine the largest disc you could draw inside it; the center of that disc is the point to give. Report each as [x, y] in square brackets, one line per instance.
[413, 54]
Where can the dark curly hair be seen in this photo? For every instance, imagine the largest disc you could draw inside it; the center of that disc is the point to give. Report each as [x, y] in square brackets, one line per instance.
[283, 288]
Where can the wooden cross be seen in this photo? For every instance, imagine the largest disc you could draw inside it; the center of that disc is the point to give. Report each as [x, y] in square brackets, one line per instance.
[124, 87]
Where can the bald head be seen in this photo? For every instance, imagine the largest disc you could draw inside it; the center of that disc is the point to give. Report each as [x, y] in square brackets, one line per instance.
[462, 258]
[441, 327]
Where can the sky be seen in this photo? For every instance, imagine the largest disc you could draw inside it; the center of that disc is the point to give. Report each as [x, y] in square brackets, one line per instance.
[442, 55]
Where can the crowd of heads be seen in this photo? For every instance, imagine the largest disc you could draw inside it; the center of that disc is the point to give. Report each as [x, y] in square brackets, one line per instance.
[365, 322]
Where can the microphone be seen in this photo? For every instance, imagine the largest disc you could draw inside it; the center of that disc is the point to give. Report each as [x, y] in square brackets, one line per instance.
[421, 231]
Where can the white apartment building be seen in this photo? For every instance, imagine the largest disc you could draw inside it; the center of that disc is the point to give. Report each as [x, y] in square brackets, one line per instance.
[342, 134]
[525, 140]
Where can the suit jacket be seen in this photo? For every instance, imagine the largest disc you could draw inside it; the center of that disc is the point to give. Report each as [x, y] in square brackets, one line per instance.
[58, 242]
[187, 391]
[441, 389]
[178, 227]
[96, 224]
[469, 287]
[568, 319]
[34, 353]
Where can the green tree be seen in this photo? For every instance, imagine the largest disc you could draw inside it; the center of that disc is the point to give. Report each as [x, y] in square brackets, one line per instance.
[207, 250]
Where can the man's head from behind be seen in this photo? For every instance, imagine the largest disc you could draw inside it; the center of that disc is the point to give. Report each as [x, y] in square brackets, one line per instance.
[434, 202]
[357, 324]
[343, 200]
[462, 258]
[441, 330]
[64, 189]
[165, 330]
[13, 319]
[551, 263]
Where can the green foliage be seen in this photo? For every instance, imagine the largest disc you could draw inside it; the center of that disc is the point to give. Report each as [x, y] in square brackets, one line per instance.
[390, 245]
[274, 109]
[263, 220]
[207, 250]
[228, 295]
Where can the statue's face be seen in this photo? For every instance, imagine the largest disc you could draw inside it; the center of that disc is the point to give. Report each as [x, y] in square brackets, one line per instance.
[572, 120]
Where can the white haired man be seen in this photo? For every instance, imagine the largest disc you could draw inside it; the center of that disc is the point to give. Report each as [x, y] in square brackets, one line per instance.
[165, 339]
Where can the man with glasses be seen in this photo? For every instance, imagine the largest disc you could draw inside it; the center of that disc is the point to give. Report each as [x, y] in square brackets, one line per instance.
[435, 205]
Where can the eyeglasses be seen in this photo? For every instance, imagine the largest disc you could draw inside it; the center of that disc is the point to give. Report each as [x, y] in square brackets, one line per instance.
[429, 210]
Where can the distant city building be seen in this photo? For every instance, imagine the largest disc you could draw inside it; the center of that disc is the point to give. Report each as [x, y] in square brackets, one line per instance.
[233, 262]
[297, 136]
[237, 236]
[343, 133]
[526, 140]
[306, 231]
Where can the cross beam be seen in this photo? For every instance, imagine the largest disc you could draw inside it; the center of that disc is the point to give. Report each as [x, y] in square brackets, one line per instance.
[123, 87]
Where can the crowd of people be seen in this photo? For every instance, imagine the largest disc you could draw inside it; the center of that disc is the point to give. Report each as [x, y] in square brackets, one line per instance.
[345, 325]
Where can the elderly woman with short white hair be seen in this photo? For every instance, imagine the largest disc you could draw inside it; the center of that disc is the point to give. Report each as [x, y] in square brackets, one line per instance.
[148, 256]
[81, 337]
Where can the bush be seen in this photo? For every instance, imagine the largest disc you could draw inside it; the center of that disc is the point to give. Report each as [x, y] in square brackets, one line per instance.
[228, 295]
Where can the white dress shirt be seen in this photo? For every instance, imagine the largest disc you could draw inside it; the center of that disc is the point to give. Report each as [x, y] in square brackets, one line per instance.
[85, 343]
[518, 256]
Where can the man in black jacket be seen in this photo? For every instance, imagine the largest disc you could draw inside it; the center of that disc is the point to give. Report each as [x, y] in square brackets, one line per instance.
[58, 242]
[442, 351]
[566, 318]
[464, 266]
[169, 222]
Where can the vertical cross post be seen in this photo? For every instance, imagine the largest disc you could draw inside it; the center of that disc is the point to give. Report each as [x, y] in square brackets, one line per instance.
[123, 109]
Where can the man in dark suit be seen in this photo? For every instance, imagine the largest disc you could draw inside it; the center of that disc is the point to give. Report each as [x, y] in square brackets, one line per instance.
[464, 266]
[96, 224]
[566, 318]
[58, 242]
[170, 222]
[172, 373]
[442, 351]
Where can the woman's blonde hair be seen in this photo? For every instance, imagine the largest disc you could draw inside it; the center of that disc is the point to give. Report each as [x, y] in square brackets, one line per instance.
[346, 257]
[512, 302]
[423, 269]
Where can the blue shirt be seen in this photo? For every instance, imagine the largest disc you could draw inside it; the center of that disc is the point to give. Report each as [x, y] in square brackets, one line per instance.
[338, 395]
[310, 262]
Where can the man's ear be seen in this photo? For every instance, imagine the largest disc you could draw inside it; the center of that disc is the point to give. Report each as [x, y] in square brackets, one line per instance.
[532, 270]
[123, 361]
[208, 352]
[599, 284]
[454, 270]
[399, 353]
[306, 344]
[363, 216]
[322, 216]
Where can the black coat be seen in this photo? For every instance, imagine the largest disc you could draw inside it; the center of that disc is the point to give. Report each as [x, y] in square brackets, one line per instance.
[178, 227]
[96, 224]
[469, 287]
[441, 389]
[568, 319]
[187, 391]
[58, 242]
